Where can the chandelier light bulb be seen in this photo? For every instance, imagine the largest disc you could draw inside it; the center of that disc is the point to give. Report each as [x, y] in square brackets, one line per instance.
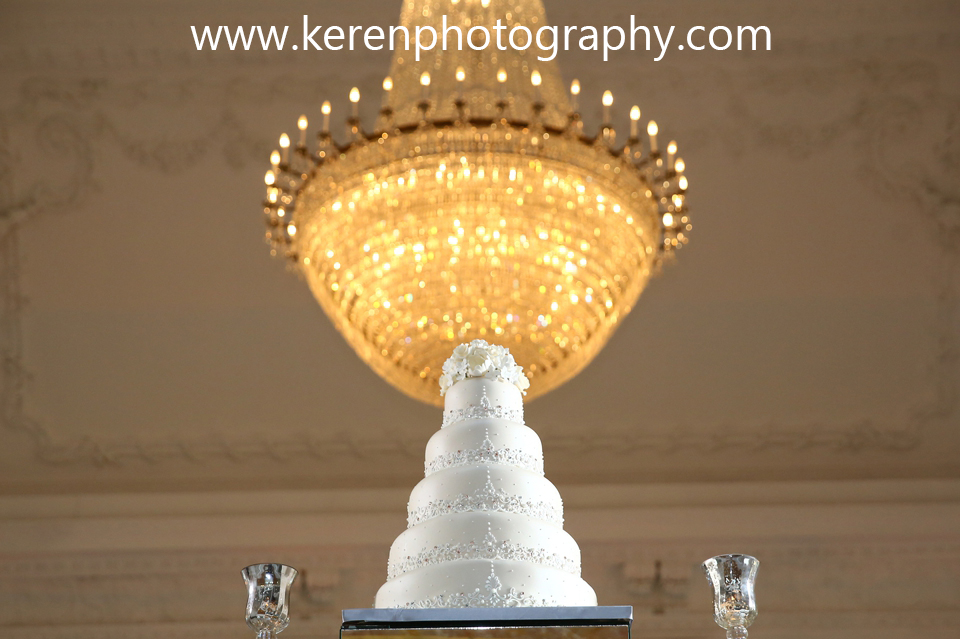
[461, 75]
[607, 103]
[484, 3]
[285, 148]
[387, 88]
[652, 131]
[325, 110]
[291, 230]
[668, 219]
[302, 125]
[424, 88]
[682, 183]
[270, 178]
[634, 121]
[502, 76]
[672, 147]
[575, 95]
[679, 165]
[275, 158]
[575, 87]
[535, 78]
[354, 102]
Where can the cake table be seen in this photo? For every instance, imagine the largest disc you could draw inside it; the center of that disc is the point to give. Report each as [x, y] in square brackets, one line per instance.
[566, 622]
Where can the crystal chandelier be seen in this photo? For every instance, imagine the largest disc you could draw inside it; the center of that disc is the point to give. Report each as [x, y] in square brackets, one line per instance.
[477, 207]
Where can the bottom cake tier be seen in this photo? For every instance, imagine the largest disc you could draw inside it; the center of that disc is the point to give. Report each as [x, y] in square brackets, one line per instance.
[484, 583]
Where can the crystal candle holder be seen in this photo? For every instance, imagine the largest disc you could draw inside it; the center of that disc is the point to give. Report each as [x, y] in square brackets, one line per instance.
[734, 605]
[268, 598]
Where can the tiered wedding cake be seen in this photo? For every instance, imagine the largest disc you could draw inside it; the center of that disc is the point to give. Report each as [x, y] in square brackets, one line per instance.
[485, 528]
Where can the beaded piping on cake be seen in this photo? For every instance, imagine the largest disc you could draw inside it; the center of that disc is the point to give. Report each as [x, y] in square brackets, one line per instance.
[509, 599]
[487, 453]
[484, 410]
[487, 499]
[492, 595]
[489, 548]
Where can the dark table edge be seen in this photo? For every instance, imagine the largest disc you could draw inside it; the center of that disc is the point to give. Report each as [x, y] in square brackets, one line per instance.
[380, 618]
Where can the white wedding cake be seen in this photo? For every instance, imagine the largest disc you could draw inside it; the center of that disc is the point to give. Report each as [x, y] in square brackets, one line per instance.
[484, 526]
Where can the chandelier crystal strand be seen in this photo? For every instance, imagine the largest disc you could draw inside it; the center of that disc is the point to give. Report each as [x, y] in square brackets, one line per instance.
[477, 208]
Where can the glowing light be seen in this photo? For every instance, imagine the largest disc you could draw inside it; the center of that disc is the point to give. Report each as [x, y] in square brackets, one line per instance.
[652, 128]
[419, 237]
[680, 166]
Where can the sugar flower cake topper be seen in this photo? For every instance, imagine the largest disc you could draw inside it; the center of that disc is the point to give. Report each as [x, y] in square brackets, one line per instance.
[480, 359]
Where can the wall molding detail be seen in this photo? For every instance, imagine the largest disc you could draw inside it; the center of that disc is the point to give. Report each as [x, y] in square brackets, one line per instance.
[66, 111]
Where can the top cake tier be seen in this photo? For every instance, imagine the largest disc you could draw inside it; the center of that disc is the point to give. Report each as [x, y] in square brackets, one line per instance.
[482, 399]
[482, 392]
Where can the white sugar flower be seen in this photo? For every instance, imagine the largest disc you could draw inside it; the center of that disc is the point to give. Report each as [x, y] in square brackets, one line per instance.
[523, 383]
[478, 363]
[481, 359]
[446, 381]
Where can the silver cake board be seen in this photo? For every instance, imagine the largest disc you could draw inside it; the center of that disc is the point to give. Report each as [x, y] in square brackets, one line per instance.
[585, 622]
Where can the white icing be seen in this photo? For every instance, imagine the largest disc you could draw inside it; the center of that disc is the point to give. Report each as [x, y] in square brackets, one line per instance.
[468, 584]
[484, 525]
[485, 488]
[484, 441]
[482, 398]
[483, 536]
